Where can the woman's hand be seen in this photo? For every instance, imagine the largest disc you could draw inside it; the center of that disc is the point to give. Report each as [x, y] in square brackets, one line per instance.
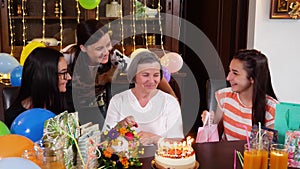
[205, 113]
[128, 121]
[147, 138]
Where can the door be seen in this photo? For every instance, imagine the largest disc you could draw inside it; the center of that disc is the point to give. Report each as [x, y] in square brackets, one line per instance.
[225, 25]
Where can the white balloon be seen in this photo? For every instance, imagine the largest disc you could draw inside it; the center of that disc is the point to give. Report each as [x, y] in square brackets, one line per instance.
[17, 163]
[172, 61]
[135, 52]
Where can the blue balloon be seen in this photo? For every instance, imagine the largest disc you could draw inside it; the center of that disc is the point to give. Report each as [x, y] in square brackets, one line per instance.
[30, 123]
[167, 74]
[7, 63]
[17, 163]
[16, 76]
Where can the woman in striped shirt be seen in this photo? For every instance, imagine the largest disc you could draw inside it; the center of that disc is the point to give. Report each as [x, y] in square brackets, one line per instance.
[249, 100]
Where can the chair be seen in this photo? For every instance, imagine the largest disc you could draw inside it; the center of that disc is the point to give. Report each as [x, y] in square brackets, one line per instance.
[9, 95]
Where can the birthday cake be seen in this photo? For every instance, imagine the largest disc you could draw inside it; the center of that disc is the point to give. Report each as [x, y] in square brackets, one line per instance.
[175, 155]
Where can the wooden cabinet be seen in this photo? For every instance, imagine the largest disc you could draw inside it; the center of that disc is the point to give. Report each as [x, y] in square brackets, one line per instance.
[24, 20]
[18, 30]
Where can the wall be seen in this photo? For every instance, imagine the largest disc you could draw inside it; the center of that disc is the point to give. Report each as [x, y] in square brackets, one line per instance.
[279, 40]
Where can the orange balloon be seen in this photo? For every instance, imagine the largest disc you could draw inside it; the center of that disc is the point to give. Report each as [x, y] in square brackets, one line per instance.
[13, 145]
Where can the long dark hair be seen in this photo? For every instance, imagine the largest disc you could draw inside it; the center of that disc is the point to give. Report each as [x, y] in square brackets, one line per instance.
[256, 65]
[40, 80]
[88, 32]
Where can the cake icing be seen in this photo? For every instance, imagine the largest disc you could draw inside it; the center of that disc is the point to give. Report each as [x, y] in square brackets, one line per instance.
[175, 155]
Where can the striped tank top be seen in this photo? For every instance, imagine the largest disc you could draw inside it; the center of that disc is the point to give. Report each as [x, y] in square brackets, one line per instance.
[237, 116]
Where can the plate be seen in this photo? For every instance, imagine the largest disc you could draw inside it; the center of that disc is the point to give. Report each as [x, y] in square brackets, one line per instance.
[154, 167]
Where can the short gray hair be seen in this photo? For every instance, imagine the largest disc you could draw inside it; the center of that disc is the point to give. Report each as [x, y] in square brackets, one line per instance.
[141, 58]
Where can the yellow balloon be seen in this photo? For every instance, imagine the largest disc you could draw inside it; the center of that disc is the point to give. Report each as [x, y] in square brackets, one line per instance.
[28, 49]
[135, 52]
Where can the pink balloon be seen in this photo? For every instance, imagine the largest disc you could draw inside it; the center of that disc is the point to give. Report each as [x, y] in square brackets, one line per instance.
[172, 61]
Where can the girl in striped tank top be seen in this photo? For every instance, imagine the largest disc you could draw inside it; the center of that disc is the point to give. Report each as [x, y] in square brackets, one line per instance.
[249, 100]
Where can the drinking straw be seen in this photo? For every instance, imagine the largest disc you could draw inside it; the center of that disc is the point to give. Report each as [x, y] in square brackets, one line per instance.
[241, 158]
[259, 136]
[247, 136]
[234, 160]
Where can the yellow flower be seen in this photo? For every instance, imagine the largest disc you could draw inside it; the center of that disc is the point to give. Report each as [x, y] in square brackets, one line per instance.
[105, 144]
[105, 132]
[114, 142]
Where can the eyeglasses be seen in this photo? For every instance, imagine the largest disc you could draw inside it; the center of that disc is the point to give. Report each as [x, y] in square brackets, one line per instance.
[64, 75]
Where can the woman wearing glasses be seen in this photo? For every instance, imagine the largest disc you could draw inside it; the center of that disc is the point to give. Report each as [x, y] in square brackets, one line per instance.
[44, 78]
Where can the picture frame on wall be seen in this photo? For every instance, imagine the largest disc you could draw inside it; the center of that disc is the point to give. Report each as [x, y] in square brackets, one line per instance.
[285, 9]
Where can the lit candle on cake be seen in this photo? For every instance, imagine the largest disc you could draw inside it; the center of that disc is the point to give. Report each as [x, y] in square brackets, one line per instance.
[175, 147]
[184, 147]
[184, 144]
[167, 145]
[189, 141]
[180, 145]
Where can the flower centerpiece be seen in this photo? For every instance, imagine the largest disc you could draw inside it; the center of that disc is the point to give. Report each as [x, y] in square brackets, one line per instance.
[120, 148]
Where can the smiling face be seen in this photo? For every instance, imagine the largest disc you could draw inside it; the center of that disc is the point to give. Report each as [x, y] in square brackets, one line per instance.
[98, 52]
[63, 75]
[147, 79]
[238, 77]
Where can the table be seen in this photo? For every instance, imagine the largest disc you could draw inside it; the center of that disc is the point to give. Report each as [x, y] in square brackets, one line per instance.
[218, 155]
[215, 155]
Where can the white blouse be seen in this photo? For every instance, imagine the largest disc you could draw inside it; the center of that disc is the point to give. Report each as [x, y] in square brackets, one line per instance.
[161, 115]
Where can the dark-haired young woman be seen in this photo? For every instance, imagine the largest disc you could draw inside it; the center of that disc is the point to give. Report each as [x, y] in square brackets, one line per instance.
[92, 68]
[250, 99]
[44, 78]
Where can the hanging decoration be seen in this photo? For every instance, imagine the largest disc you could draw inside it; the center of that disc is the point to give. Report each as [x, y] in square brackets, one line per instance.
[89, 4]
[122, 27]
[160, 27]
[61, 24]
[12, 38]
[133, 23]
[23, 23]
[43, 19]
[97, 12]
[78, 11]
[145, 24]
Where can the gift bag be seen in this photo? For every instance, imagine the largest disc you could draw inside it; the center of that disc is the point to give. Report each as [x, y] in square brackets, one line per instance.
[268, 134]
[287, 117]
[207, 133]
[292, 141]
